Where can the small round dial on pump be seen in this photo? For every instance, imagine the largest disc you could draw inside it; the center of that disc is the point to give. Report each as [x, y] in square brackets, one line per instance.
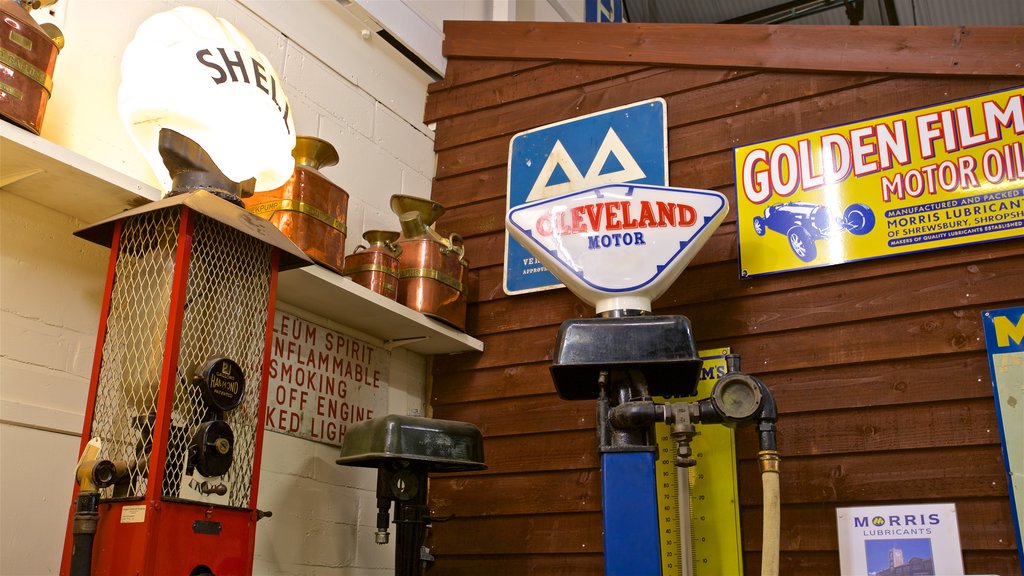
[222, 383]
[405, 484]
[213, 448]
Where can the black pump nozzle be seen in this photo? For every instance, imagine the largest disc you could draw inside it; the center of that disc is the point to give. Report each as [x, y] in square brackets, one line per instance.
[382, 536]
[766, 420]
[191, 168]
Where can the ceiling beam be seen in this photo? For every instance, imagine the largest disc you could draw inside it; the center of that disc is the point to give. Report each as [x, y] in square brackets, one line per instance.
[949, 50]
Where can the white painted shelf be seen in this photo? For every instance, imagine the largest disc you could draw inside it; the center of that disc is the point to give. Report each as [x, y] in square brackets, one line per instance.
[70, 183]
[65, 181]
[336, 297]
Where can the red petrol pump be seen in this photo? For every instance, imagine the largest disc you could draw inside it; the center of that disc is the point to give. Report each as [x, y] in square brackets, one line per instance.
[172, 436]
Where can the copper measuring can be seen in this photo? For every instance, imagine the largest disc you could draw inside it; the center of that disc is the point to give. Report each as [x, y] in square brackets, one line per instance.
[310, 209]
[431, 268]
[28, 55]
[376, 266]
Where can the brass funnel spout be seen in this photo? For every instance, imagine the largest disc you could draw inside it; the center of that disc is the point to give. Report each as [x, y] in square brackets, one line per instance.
[386, 237]
[315, 153]
[412, 224]
[427, 210]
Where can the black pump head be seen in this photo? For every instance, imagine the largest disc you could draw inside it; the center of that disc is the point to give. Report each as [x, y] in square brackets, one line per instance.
[191, 168]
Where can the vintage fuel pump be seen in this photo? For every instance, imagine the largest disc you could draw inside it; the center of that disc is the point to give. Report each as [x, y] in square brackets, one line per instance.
[404, 450]
[172, 435]
[618, 247]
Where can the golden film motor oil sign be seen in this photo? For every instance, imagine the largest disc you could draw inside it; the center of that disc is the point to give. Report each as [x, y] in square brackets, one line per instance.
[941, 176]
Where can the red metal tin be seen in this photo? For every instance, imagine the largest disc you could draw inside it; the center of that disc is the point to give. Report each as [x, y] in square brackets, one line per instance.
[28, 55]
[431, 267]
[309, 208]
[376, 266]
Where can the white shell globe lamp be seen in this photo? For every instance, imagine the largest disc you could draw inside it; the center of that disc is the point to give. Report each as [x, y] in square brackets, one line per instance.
[198, 75]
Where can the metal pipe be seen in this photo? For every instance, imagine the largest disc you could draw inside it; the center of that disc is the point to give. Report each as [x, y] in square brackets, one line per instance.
[91, 475]
[381, 536]
[83, 531]
[732, 362]
[411, 519]
[626, 388]
[636, 414]
[769, 460]
[766, 416]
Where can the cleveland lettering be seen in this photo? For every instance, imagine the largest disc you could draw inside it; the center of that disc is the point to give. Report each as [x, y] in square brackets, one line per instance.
[615, 216]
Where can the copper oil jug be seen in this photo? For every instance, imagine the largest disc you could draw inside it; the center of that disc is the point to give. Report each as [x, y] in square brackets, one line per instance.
[28, 55]
[431, 268]
[376, 266]
[309, 208]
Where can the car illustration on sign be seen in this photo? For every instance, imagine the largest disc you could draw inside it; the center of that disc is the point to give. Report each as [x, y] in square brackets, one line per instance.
[803, 223]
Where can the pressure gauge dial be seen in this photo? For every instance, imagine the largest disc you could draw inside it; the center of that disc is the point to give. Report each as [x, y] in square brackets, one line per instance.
[736, 397]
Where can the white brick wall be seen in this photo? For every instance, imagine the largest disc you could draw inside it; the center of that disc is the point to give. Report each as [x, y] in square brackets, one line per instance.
[356, 93]
[34, 499]
[50, 291]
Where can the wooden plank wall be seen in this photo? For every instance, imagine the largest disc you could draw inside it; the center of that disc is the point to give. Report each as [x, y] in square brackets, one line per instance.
[878, 368]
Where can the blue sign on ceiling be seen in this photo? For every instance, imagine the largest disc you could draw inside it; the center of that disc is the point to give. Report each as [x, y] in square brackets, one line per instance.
[604, 11]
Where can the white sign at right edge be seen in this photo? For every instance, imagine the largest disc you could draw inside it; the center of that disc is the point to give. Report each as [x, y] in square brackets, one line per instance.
[899, 539]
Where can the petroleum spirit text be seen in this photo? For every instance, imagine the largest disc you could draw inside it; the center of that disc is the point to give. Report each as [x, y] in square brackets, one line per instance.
[824, 159]
[615, 223]
[317, 380]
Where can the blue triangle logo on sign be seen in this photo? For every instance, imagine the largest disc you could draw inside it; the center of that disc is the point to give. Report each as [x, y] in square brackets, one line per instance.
[611, 166]
[558, 176]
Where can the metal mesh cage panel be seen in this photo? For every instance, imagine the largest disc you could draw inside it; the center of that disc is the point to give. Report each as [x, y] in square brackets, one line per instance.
[129, 376]
[226, 305]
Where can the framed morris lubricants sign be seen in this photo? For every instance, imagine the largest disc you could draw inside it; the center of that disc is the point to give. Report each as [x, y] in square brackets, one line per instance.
[898, 540]
[936, 177]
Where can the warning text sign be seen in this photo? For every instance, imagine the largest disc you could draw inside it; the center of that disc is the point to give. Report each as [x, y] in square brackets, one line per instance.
[322, 380]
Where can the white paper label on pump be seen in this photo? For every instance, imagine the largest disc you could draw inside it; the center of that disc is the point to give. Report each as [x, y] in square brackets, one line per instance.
[133, 514]
[620, 239]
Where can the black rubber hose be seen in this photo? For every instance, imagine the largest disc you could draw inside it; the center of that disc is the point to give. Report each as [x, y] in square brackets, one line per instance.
[766, 418]
[81, 554]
